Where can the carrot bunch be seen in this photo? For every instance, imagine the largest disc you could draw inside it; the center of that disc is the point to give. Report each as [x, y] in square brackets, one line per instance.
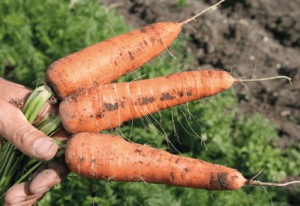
[89, 103]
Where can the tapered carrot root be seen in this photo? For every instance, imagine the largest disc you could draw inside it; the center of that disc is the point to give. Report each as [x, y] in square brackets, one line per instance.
[104, 107]
[107, 157]
[108, 60]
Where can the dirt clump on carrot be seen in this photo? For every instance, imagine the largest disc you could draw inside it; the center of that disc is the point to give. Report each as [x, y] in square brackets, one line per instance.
[107, 157]
[220, 181]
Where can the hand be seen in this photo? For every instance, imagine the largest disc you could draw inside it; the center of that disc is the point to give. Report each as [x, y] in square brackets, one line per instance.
[46, 176]
[17, 130]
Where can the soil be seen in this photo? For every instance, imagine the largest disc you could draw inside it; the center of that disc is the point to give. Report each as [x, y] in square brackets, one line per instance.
[253, 39]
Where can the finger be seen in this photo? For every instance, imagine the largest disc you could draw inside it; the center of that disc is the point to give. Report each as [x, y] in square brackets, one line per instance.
[39, 170]
[48, 178]
[18, 194]
[27, 202]
[61, 135]
[17, 130]
[14, 93]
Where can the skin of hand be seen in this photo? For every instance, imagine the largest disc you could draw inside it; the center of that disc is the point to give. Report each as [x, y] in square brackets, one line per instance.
[17, 130]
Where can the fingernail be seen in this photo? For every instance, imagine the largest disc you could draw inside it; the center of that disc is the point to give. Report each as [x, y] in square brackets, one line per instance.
[44, 146]
[17, 200]
[41, 190]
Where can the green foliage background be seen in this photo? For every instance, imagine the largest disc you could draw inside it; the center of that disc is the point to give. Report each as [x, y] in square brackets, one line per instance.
[33, 34]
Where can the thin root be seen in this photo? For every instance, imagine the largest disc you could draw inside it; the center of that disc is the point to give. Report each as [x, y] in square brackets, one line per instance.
[263, 79]
[259, 183]
[188, 20]
[257, 175]
[255, 182]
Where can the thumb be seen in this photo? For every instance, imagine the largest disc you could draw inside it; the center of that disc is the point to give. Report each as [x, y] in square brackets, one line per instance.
[17, 130]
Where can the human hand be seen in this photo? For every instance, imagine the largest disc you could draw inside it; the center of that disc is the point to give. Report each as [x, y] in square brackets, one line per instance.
[30, 192]
[17, 130]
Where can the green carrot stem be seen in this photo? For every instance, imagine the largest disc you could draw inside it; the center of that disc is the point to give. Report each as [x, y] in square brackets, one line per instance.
[7, 181]
[5, 150]
[30, 162]
[31, 98]
[7, 156]
[9, 165]
[51, 126]
[44, 121]
[12, 171]
[31, 170]
[36, 105]
[5, 185]
[32, 107]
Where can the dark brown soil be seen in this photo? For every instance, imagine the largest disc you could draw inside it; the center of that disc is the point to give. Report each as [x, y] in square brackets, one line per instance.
[257, 39]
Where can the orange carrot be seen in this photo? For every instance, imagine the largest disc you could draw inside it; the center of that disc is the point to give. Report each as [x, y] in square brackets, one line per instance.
[107, 157]
[108, 60]
[104, 107]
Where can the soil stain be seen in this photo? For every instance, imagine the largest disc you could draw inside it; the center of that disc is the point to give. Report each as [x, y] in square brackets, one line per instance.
[94, 162]
[145, 100]
[167, 96]
[130, 54]
[152, 99]
[220, 182]
[172, 175]
[111, 107]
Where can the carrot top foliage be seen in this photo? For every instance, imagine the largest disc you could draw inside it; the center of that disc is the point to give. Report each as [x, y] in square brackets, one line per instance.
[33, 35]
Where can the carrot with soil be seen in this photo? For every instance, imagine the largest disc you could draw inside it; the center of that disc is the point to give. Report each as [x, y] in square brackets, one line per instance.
[104, 107]
[108, 60]
[107, 157]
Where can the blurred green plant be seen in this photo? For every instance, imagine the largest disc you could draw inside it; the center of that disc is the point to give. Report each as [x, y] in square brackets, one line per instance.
[203, 27]
[181, 3]
[33, 35]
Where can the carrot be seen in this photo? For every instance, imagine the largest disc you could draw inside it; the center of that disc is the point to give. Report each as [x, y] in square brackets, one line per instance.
[107, 157]
[108, 60]
[104, 107]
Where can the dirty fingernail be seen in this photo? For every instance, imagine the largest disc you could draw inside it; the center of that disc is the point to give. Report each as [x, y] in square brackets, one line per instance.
[44, 146]
[41, 190]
